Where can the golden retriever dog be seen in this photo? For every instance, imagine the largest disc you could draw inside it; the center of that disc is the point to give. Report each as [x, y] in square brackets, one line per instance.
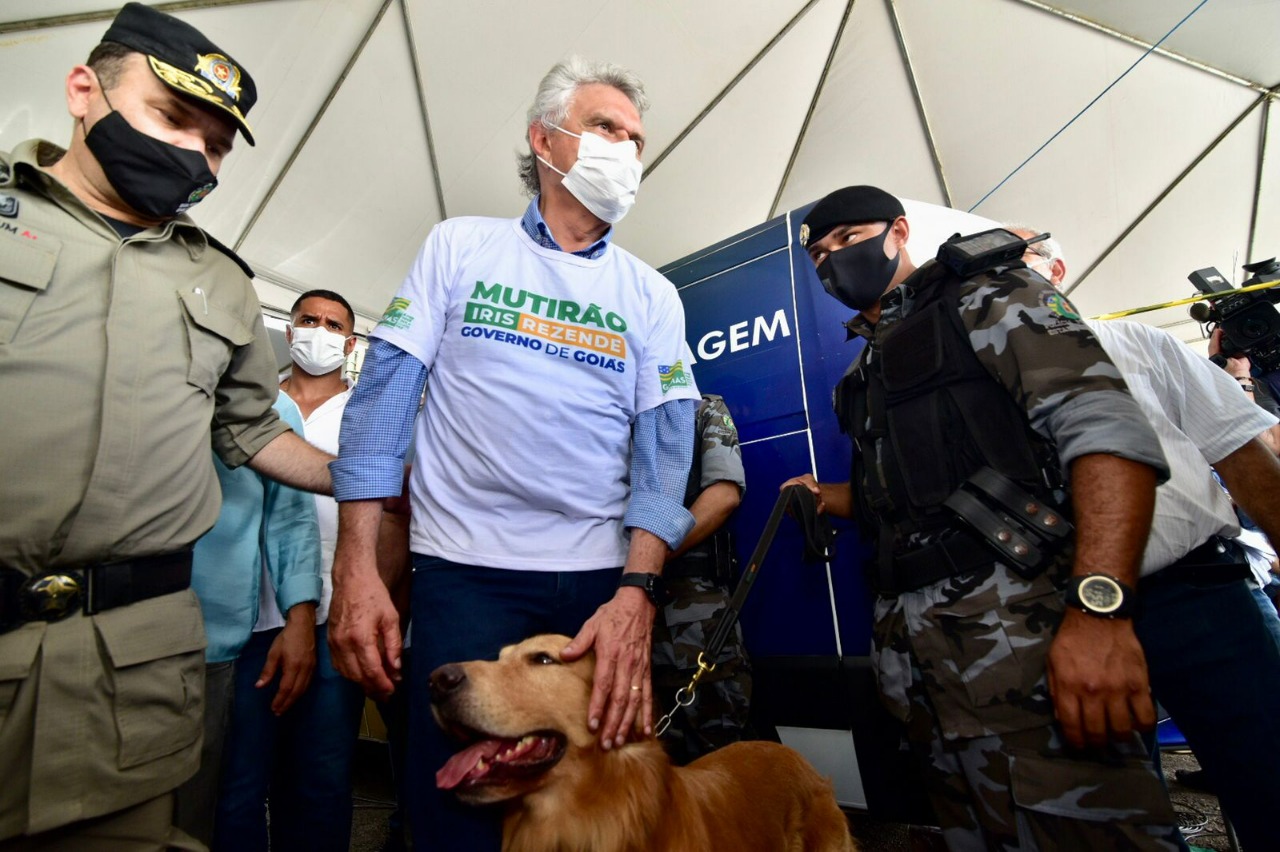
[524, 718]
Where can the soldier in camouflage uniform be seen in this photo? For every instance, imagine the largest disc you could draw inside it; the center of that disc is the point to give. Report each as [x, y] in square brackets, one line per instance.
[1023, 711]
[697, 575]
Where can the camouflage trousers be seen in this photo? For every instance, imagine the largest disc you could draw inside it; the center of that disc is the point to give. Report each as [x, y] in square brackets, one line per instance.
[718, 714]
[962, 663]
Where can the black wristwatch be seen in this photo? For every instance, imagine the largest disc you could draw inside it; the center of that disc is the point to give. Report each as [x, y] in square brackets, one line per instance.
[1101, 595]
[655, 588]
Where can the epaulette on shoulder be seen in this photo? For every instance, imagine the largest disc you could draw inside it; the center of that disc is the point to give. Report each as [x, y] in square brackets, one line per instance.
[213, 241]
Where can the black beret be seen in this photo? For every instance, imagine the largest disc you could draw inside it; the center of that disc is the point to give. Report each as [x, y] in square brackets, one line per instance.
[186, 61]
[849, 206]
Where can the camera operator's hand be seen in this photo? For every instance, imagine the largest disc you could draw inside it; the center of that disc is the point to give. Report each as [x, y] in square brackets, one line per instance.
[1238, 366]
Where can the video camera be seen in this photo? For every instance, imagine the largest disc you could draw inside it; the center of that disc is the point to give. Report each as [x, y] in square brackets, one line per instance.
[1250, 322]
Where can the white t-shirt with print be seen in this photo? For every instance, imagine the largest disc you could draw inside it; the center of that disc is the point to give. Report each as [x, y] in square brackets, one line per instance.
[539, 362]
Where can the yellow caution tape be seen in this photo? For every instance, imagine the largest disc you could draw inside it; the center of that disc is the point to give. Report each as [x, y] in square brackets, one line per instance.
[1200, 298]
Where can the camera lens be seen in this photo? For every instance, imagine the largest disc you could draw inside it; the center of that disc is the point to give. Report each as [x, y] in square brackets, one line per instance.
[1253, 328]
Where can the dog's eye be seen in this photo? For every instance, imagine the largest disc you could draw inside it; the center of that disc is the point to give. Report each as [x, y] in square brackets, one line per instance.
[542, 658]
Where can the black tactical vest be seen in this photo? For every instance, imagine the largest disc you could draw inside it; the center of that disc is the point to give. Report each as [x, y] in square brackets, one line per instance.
[925, 415]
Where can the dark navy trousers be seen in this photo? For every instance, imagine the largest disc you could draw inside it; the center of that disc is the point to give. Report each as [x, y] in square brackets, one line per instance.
[1214, 660]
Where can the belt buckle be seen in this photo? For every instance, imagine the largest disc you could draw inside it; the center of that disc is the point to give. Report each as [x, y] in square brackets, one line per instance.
[53, 597]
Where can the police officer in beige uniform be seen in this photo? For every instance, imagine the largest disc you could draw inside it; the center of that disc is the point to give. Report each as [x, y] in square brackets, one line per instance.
[129, 342]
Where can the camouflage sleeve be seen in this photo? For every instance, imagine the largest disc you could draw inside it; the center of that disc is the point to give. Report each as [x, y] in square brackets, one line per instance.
[1033, 341]
[721, 453]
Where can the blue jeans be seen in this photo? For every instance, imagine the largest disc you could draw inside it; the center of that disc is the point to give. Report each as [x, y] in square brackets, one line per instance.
[301, 761]
[462, 612]
[1269, 614]
[1214, 660]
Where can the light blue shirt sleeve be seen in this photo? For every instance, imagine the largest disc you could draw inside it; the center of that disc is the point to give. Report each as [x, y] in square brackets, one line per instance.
[255, 527]
[377, 424]
[291, 535]
[661, 452]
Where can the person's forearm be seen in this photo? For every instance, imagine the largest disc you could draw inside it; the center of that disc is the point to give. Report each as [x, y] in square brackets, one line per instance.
[1271, 440]
[355, 556]
[291, 460]
[302, 615]
[1113, 500]
[1252, 476]
[393, 549]
[710, 510]
[647, 553]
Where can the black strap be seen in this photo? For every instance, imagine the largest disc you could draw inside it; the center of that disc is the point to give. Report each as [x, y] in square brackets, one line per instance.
[117, 584]
[105, 586]
[1216, 561]
[696, 565]
[958, 553]
[1022, 528]
[1039, 517]
[818, 538]
[1004, 534]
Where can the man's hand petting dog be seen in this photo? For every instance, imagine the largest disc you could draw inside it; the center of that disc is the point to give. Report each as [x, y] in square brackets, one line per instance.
[522, 720]
[620, 632]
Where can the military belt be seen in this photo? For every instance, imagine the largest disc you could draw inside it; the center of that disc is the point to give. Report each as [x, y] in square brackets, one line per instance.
[89, 589]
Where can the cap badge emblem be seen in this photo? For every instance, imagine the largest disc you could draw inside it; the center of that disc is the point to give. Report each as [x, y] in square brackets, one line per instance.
[804, 235]
[215, 68]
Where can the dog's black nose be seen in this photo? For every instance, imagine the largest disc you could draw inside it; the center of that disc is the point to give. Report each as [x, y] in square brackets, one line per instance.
[446, 679]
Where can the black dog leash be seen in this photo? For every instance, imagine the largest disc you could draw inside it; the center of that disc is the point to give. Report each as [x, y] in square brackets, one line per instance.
[818, 538]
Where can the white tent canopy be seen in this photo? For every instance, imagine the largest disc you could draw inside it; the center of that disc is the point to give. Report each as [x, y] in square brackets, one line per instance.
[378, 118]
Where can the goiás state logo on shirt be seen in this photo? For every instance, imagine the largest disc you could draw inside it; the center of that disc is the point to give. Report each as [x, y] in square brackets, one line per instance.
[672, 376]
[560, 328]
[397, 314]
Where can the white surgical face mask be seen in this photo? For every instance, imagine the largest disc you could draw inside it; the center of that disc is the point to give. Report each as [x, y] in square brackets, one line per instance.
[605, 177]
[318, 351]
[1043, 266]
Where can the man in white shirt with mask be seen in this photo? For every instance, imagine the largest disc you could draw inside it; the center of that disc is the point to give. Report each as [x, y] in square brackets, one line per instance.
[553, 448]
[301, 758]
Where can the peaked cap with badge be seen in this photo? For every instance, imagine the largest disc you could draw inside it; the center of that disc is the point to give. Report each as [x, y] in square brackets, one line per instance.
[186, 61]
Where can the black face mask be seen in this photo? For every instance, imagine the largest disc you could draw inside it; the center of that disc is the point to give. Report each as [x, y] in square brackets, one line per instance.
[155, 178]
[859, 275]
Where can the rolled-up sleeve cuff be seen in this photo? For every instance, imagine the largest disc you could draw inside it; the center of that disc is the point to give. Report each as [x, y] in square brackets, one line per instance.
[660, 515]
[236, 445]
[366, 477]
[304, 588]
[1107, 422]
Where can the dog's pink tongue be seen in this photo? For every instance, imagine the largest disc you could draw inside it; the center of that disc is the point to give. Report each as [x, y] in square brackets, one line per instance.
[461, 764]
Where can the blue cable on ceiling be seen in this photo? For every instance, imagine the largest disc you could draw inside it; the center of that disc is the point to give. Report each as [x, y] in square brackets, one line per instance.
[1089, 105]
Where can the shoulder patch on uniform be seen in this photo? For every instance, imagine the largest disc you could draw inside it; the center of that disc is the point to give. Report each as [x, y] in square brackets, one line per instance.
[672, 376]
[229, 253]
[397, 314]
[1059, 305]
